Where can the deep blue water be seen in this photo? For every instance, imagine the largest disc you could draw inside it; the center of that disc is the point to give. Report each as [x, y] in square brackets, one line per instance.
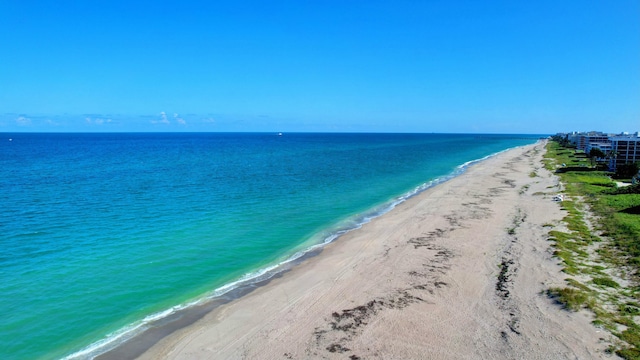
[101, 231]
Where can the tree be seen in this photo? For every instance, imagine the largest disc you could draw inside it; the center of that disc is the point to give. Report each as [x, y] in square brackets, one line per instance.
[562, 140]
[627, 170]
[595, 154]
[610, 155]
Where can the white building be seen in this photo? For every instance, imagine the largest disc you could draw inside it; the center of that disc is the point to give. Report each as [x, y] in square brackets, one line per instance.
[626, 148]
[582, 140]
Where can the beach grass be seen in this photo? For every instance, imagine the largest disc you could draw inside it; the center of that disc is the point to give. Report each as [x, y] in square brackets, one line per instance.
[600, 250]
[570, 298]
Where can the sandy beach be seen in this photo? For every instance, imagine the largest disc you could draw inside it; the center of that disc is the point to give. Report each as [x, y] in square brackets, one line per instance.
[456, 272]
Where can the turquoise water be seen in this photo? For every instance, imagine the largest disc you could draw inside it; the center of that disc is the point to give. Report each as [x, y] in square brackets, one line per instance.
[102, 231]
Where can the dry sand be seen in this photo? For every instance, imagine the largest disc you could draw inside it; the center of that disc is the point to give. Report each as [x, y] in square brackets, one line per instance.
[457, 272]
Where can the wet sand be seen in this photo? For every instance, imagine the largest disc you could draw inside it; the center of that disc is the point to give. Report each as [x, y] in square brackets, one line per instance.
[456, 272]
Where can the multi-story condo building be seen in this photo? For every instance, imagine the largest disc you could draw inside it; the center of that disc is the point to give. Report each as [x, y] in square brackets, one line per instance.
[582, 140]
[622, 148]
[626, 149]
[605, 147]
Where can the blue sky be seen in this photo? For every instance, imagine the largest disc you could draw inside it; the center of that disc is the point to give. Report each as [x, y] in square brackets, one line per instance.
[379, 66]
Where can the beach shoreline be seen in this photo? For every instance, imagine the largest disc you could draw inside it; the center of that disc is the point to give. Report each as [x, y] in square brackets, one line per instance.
[459, 266]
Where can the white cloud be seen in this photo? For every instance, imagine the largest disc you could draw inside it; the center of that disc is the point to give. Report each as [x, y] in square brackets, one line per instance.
[209, 120]
[163, 119]
[179, 119]
[51, 122]
[23, 121]
[163, 115]
[97, 121]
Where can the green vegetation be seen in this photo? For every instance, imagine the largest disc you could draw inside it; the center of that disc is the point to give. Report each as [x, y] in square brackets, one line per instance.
[606, 282]
[626, 171]
[596, 153]
[603, 224]
[570, 298]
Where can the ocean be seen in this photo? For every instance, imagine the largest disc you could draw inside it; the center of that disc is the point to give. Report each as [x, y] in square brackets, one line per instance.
[102, 234]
